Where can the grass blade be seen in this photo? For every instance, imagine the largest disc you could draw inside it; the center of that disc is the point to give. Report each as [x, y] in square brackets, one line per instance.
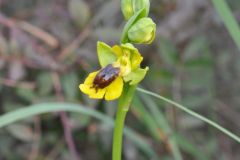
[196, 115]
[228, 19]
[162, 123]
[37, 109]
[146, 118]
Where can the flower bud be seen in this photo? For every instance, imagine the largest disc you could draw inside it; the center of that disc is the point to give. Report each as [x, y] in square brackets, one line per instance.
[130, 7]
[143, 31]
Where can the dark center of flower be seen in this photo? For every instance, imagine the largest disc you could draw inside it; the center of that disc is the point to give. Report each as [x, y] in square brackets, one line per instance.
[106, 76]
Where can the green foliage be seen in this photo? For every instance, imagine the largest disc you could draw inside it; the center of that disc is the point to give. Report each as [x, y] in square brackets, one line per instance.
[69, 83]
[193, 61]
[37, 109]
[196, 115]
[44, 83]
[130, 7]
[229, 20]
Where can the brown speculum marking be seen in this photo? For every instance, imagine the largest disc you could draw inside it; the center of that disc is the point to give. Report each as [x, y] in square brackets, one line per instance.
[105, 76]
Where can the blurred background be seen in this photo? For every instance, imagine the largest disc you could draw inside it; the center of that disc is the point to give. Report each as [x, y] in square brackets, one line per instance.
[47, 48]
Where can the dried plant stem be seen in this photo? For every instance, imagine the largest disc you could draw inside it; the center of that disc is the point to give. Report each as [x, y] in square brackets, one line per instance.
[68, 135]
[63, 116]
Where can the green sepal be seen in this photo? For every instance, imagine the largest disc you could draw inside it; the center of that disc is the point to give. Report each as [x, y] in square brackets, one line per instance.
[140, 14]
[136, 76]
[105, 54]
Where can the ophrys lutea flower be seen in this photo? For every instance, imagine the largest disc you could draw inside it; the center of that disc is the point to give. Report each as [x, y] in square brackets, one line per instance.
[120, 64]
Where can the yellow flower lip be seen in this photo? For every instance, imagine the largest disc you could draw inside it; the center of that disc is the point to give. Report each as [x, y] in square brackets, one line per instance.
[105, 83]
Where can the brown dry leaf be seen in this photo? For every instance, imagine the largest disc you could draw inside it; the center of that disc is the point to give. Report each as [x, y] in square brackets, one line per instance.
[16, 71]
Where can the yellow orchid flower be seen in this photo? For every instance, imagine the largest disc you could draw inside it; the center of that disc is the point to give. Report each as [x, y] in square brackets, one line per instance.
[119, 64]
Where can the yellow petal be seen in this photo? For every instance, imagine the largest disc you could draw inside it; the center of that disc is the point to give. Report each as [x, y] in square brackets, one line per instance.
[85, 88]
[98, 94]
[117, 50]
[90, 78]
[114, 90]
[136, 59]
[88, 88]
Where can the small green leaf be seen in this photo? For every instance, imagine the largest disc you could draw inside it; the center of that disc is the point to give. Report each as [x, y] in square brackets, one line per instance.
[26, 94]
[136, 76]
[105, 54]
[69, 83]
[44, 83]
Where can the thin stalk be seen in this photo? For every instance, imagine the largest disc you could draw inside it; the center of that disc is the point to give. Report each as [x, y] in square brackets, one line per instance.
[123, 107]
[118, 133]
[68, 136]
[208, 121]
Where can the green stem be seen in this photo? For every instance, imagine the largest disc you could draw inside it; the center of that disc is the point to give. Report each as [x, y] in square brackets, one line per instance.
[118, 133]
[123, 107]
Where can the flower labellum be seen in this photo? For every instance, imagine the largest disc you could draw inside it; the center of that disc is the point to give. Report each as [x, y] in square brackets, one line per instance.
[105, 76]
[105, 83]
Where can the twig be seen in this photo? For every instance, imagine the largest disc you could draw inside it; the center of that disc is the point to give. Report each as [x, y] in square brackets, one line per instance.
[64, 118]
[33, 30]
[39, 33]
[13, 83]
[35, 146]
[74, 44]
[68, 135]
[53, 153]
[6, 21]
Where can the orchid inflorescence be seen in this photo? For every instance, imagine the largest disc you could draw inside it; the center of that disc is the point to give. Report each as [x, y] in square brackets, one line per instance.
[121, 63]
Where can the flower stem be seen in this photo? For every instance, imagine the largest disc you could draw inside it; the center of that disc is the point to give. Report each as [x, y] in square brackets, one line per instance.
[123, 107]
[118, 133]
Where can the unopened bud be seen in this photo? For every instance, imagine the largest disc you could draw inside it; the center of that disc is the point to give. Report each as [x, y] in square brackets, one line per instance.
[130, 7]
[143, 31]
